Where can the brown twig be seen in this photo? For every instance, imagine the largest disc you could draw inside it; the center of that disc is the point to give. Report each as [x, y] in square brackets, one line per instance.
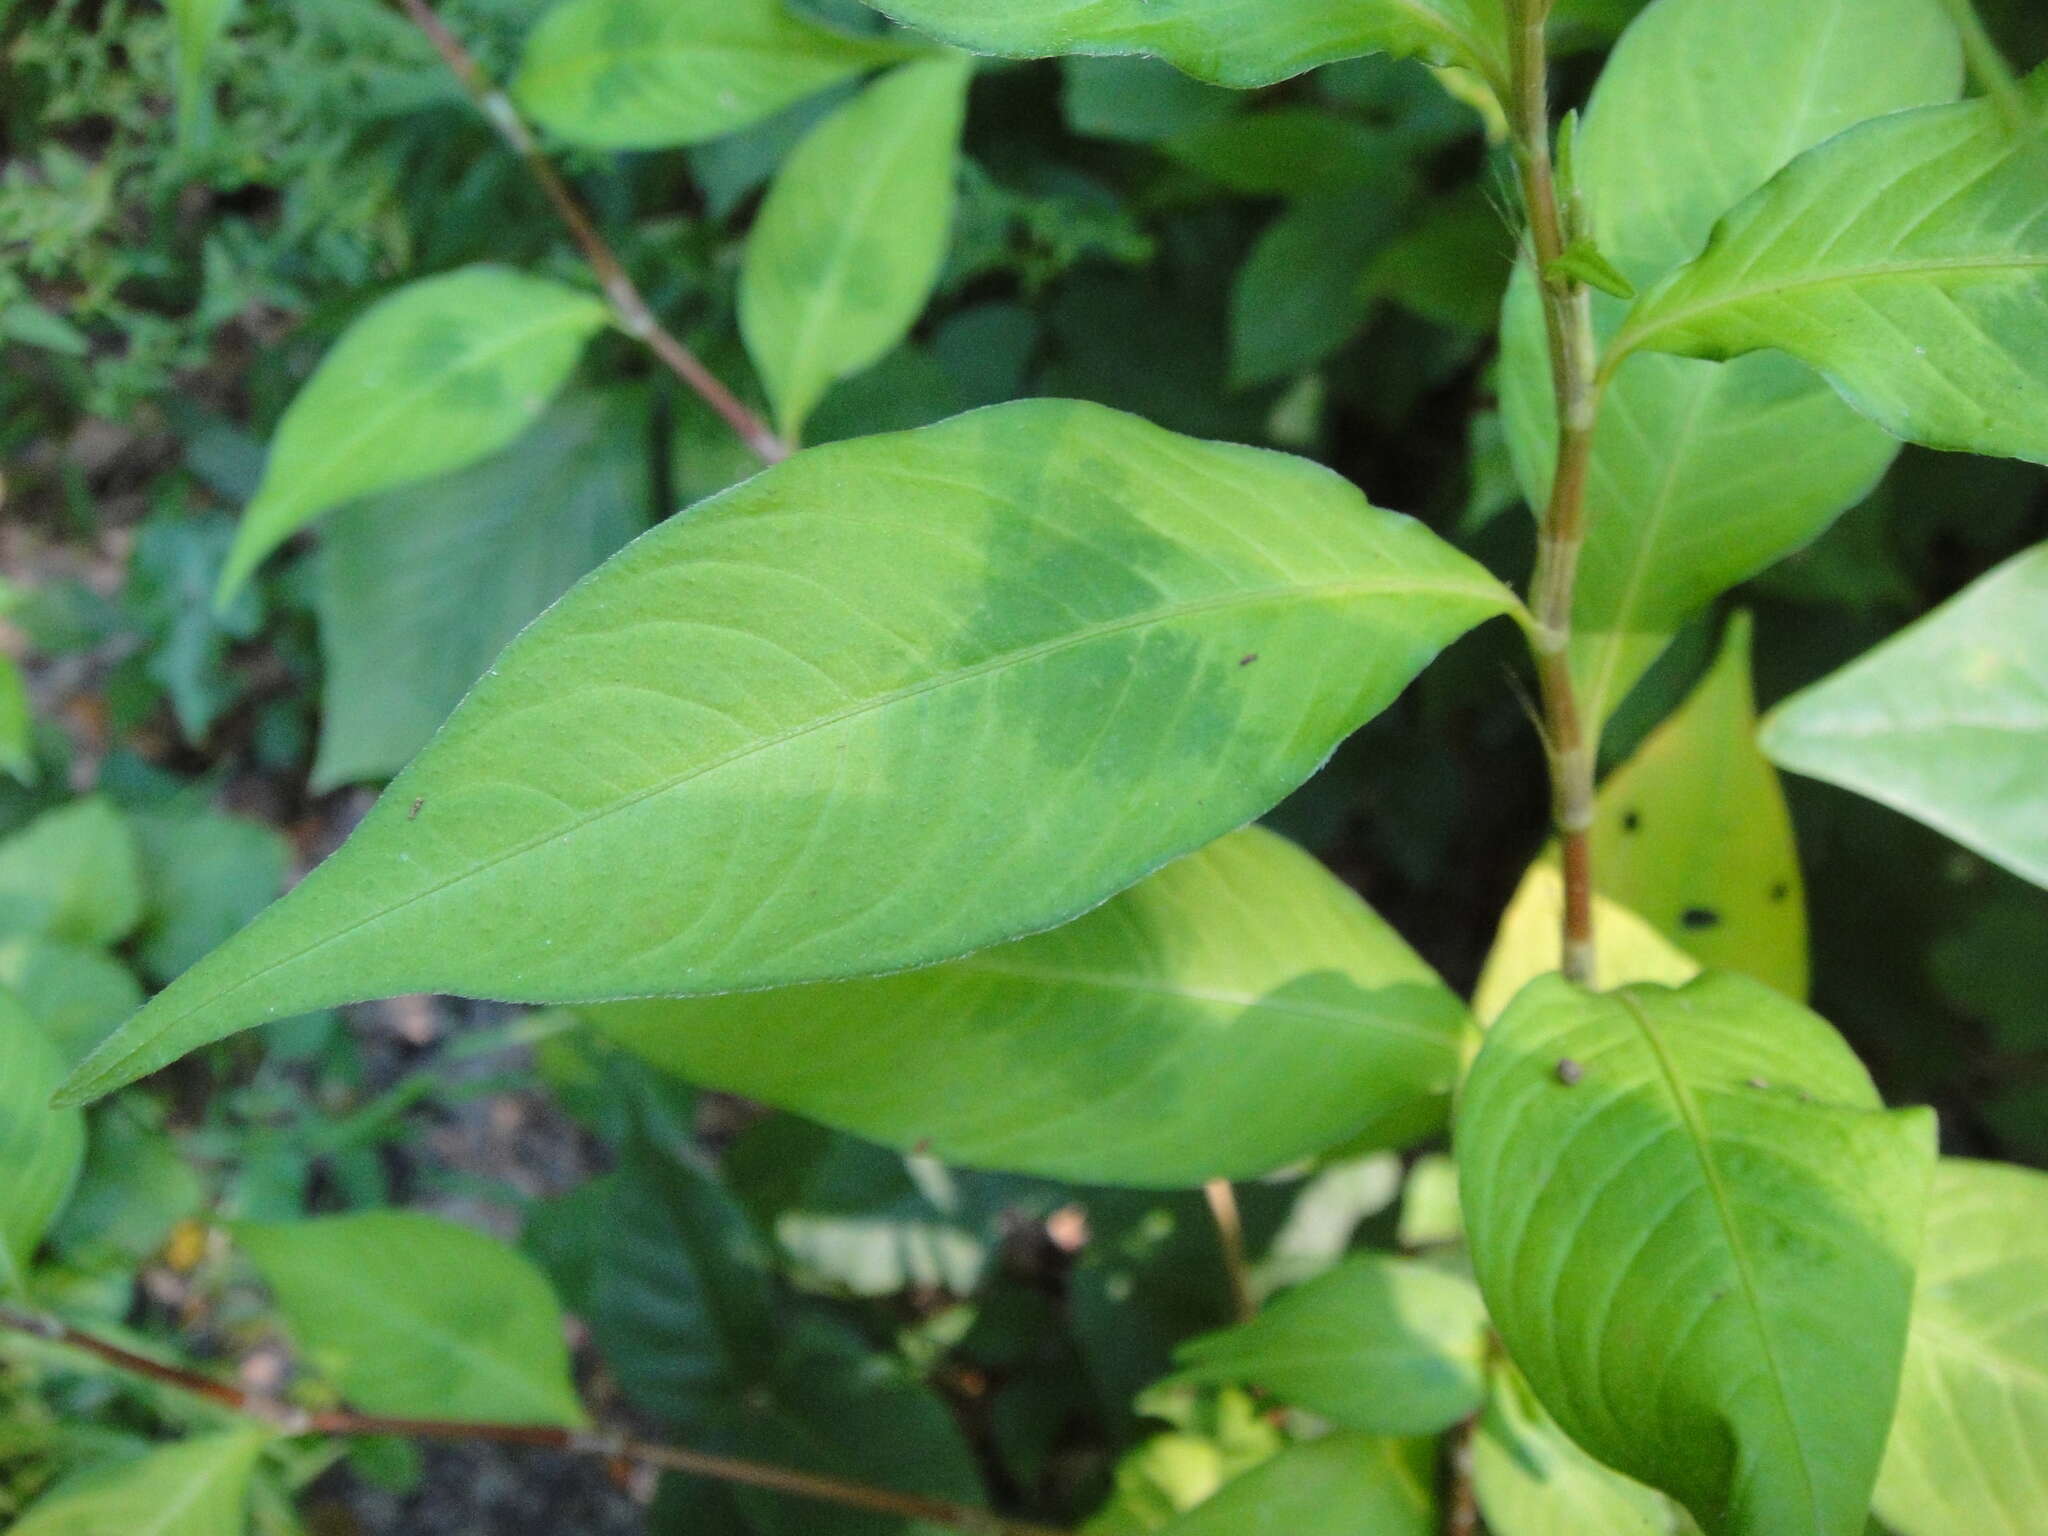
[1461, 1496]
[290, 1420]
[1230, 1237]
[634, 315]
[1574, 366]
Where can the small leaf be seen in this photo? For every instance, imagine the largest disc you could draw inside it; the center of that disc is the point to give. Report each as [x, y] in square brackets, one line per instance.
[1236, 1012]
[1969, 1449]
[1298, 298]
[1907, 260]
[1582, 262]
[1531, 1480]
[418, 1317]
[824, 696]
[1344, 1484]
[72, 874]
[1693, 834]
[40, 1147]
[1530, 943]
[196, 1487]
[17, 724]
[849, 242]
[1221, 40]
[1947, 721]
[1698, 1242]
[1378, 1343]
[432, 377]
[196, 25]
[647, 74]
[75, 994]
[204, 875]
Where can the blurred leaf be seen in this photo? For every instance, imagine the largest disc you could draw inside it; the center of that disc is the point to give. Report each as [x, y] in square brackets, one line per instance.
[848, 245]
[645, 74]
[1237, 1011]
[1695, 1227]
[71, 874]
[1217, 1437]
[1530, 943]
[1138, 100]
[1378, 1343]
[133, 1190]
[779, 752]
[1969, 1449]
[1451, 266]
[1297, 296]
[17, 723]
[196, 1487]
[1340, 1485]
[197, 25]
[1430, 1214]
[76, 995]
[1532, 1480]
[40, 1147]
[1946, 722]
[204, 876]
[416, 1316]
[1297, 152]
[1692, 833]
[421, 588]
[1916, 247]
[437, 375]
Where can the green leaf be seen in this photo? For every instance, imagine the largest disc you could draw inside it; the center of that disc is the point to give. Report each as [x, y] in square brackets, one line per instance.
[435, 376]
[418, 1317]
[1378, 1343]
[72, 874]
[76, 995]
[196, 1487]
[1907, 260]
[1531, 1480]
[1222, 41]
[40, 1147]
[1236, 1012]
[1969, 1449]
[1530, 943]
[196, 25]
[1297, 152]
[1136, 100]
[1705, 474]
[646, 74]
[421, 588]
[17, 724]
[1297, 298]
[1341, 1485]
[825, 697]
[1695, 1227]
[204, 875]
[850, 239]
[1947, 721]
[1583, 262]
[1693, 833]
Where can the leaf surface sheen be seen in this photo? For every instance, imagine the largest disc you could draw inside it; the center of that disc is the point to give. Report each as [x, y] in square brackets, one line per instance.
[650, 74]
[1235, 1012]
[1947, 721]
[891, 701]
[1907, 260]
[432, 377]
[1696, 1227]
[1704, 474]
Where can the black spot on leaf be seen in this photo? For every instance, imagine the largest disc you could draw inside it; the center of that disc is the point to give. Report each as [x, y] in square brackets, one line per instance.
[1698, 918]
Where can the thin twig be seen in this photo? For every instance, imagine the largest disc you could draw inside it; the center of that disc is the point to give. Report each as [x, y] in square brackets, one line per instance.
[1461, 1495]
[1230, 1237]
[289, 1420]
[634, 315]
[1574, 364]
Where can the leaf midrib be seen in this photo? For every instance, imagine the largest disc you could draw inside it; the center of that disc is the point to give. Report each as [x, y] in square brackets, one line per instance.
[395, 793]
[1710, 1172]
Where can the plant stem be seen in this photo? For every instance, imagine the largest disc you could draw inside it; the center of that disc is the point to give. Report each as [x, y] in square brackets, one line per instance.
[1230, 1236]
[1987, 64]
[1574, 367]
[289, 1420]
[1461, 1497]
[634, 316]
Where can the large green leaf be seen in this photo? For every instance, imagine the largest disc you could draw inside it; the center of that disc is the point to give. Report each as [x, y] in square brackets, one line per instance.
[1345, 1484]
[433, 377]
[72, 874]
[644, 74]
[1705, 474]
[1237, 1011]
[421, 588]
[416, 1316]
[40, 1147]
[1693, 833]
[197, 1487]
[1378, 1343]
[1224, 41]
[850, 239]
[1907, 260]
[1532, 1480]
[1969, 1449]
[1947, 721]
[1695, 1227]
[888, 702]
